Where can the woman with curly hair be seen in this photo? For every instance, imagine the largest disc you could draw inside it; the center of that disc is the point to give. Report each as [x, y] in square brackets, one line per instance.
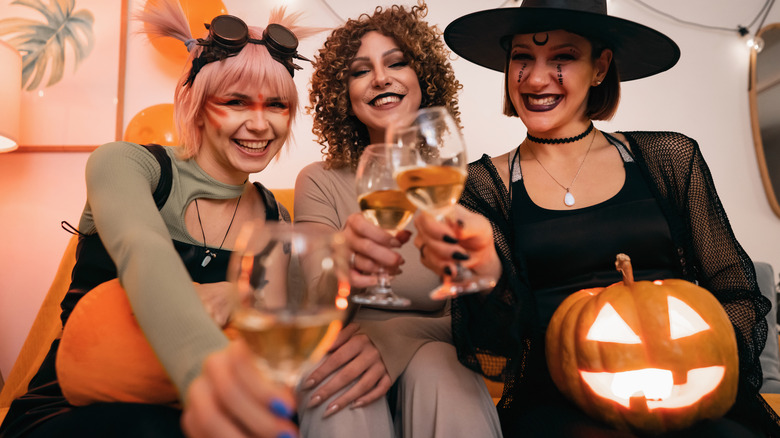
[371, 70]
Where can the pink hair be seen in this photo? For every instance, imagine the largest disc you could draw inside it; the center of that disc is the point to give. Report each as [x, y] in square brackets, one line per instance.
[251, 66]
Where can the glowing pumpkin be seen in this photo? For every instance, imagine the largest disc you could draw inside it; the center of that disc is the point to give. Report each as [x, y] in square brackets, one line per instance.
[644, 356]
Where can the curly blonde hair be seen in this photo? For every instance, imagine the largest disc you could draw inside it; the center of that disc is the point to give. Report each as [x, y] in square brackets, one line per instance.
[342, 136]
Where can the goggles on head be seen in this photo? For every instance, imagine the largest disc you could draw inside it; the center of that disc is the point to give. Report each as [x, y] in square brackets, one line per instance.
[229, 34]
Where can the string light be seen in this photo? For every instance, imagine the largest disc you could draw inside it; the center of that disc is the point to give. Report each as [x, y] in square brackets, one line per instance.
[341, 19]
[755, 42]
[333, 11]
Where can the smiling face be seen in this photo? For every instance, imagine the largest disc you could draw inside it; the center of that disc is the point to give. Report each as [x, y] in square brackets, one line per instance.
[549, 76]
[382, 85]
[649, 356]
[243, 129]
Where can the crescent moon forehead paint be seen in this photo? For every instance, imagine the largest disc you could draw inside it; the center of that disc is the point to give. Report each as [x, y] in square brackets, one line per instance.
[541, 42]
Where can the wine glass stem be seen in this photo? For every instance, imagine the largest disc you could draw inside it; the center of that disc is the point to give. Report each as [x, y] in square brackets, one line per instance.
[383, 279]
[461, 273]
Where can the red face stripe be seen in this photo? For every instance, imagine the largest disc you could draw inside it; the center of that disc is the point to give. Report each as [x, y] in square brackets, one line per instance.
[213, 112]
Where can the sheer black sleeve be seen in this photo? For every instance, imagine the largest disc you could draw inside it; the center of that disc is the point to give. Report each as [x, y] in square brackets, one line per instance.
[485, 327]
[710, 253]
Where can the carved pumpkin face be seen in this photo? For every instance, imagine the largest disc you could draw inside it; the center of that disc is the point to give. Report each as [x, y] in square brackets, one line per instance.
[645, 356]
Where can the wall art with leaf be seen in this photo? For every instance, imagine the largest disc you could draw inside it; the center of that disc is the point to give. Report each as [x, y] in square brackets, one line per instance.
[72, 55]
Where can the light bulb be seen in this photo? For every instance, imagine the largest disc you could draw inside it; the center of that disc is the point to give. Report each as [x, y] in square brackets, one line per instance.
[756, 43]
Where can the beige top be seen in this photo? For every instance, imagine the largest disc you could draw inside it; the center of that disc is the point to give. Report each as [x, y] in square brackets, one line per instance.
[329, 197]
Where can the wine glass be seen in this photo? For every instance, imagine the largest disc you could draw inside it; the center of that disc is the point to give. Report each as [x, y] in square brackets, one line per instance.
[432, 173]
[293, 290]
[384, 204]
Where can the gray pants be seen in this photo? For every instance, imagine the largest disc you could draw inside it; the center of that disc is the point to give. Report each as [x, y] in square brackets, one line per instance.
[437, 398]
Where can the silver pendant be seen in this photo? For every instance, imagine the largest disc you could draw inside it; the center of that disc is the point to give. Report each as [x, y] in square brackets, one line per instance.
[568, 199]
[207, 259]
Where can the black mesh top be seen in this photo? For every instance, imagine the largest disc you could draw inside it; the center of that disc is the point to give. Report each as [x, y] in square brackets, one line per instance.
[493, 333]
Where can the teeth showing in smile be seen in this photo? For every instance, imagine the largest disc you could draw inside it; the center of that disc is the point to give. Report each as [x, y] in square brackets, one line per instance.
[255, 145]
[385, 100]
[548, 100]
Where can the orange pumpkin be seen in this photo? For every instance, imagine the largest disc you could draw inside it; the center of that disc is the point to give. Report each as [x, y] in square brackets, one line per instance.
[105, 357]
[644, 356]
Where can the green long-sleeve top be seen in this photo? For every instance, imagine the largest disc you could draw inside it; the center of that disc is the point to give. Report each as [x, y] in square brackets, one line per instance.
[121, 178]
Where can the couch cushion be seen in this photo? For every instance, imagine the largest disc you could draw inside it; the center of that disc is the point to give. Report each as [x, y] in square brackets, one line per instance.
[770, 357]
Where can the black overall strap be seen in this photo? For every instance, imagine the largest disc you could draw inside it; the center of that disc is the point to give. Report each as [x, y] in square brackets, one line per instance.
[165, 183]
[161, 192]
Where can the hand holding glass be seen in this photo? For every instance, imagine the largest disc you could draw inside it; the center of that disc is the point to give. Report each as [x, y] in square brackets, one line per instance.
[292, 295]
[432, 173]
[383, 203]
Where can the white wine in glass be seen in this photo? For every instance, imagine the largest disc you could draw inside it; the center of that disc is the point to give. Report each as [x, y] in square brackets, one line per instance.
[292, 295]
[384, 204]
[432, 173]
[433, 188]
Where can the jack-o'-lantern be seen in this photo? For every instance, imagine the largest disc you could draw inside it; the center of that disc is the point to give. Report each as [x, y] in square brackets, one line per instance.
[647, 356]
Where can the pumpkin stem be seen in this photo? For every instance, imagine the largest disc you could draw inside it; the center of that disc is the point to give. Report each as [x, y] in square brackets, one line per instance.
[623, 264]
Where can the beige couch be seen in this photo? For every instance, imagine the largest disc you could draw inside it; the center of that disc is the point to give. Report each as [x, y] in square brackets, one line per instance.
[46, 327]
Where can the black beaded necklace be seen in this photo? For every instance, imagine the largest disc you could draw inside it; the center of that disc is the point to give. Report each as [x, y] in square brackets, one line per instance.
[561, 140]
[208, 253]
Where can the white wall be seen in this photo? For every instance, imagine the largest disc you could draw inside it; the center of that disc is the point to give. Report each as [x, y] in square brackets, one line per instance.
[704, 96]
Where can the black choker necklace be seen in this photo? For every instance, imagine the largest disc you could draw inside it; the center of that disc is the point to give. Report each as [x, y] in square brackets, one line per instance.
[561, 140]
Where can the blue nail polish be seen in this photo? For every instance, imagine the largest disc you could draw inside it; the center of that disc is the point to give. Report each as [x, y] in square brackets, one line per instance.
[280, 409]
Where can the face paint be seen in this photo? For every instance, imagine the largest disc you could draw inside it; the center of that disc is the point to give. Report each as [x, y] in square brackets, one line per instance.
[212, 112]
[560, 75]
[520, 76]
[541, 43]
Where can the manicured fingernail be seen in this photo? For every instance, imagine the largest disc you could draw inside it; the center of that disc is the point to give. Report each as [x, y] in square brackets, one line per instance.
[331, 410]
[280, 409]
[308, 384]
[314, 401]
[356, 404]
[457, 255]
[447, 270]
[395, 243]
[286, 434]
[450, 239]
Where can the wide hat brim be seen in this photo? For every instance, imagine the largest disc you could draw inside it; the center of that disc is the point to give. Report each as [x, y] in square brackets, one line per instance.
[483, 37]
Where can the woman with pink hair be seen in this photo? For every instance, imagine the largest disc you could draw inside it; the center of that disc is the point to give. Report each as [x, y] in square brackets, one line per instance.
[163, 219]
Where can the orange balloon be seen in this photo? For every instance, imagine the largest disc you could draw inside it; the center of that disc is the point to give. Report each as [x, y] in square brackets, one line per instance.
[153, 125]
[197, 12]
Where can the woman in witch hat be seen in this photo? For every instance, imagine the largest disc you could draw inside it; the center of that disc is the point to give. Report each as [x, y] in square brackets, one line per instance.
[559, 202]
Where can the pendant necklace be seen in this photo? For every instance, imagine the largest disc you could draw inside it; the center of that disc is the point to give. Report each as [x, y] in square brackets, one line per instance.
[209, 254]
[568, 198]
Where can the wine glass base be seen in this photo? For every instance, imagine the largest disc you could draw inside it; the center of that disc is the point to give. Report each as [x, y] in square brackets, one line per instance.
[380, 297]
[452, 289]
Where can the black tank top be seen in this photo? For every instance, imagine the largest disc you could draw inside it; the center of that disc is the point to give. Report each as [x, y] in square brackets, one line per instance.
[569, 250]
